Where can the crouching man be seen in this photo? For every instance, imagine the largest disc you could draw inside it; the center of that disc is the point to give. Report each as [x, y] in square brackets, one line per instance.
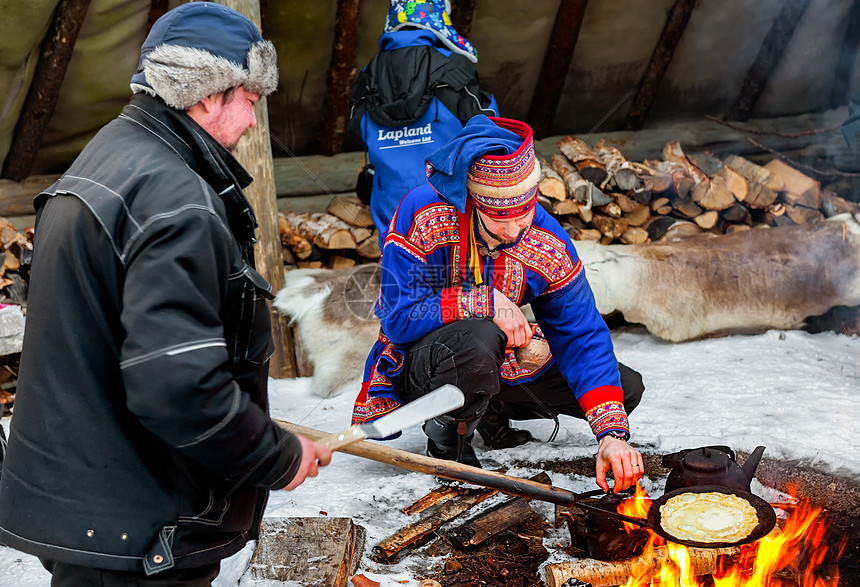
[464, 252]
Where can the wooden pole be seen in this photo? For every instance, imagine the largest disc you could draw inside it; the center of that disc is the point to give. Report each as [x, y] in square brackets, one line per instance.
[341, 73]
[462, 15]
[255, 154]
[768, 57]
[443, 468]
[42, 97]
[847, 56]
[673, 30]
[157, 8]
[556, 63]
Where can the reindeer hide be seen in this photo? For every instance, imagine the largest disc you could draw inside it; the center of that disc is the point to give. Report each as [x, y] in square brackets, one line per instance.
[744, 282]
[738, 283]
[333, 312]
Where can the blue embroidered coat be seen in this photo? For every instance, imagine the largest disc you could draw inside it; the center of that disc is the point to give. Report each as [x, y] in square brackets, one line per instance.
[422, 290]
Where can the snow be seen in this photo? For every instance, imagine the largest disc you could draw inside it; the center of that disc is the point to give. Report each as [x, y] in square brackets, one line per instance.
[791, 391]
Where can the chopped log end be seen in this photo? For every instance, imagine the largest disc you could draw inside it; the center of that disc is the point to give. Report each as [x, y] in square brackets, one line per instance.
[351, 210]
[635, 235]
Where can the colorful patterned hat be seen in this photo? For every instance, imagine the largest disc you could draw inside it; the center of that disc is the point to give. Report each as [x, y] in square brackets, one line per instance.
[433, 16]
[506, 186]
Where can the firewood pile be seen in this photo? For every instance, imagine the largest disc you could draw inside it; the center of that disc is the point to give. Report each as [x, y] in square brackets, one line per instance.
[485, 537]
[15, 271]
[341, 237]
[599, 195]
[17, 249]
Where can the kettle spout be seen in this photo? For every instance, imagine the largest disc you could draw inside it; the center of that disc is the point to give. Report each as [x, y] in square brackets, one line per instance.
[752, 462]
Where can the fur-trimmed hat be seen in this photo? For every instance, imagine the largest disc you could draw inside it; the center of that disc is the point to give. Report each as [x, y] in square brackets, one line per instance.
[432, 15]
[199, 49]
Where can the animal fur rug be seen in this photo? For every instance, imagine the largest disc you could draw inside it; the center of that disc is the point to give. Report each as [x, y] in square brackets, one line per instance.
[745, 282]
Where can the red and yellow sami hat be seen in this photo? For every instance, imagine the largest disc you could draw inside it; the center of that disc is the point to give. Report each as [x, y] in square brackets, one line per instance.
[505, 186]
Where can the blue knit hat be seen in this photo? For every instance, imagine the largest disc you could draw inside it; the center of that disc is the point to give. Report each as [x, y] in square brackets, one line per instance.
[433, 16]
[201, 48]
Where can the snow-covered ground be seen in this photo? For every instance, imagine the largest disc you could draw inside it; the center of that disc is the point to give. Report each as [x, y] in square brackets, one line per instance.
[793, 392]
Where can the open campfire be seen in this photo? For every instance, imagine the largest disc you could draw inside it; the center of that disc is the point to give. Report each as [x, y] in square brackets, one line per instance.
[504, 545]
[796, 552]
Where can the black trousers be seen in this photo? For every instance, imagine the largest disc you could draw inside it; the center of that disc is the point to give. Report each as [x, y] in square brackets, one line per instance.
[468, 354]
[66, 575]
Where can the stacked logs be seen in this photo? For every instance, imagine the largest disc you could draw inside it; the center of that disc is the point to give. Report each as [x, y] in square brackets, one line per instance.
[341, 237]
[599, 195]
[17, 251]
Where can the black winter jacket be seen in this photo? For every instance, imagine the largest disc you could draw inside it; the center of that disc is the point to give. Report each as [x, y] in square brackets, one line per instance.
[141, 438]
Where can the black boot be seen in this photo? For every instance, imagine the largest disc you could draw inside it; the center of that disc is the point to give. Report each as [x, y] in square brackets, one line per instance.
[450, 438]
[495, 428]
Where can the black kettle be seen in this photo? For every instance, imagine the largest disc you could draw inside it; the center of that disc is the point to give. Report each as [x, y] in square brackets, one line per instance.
[602, 537]
[710, 465]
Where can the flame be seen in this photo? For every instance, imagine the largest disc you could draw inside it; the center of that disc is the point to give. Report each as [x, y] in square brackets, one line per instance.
[794, 553]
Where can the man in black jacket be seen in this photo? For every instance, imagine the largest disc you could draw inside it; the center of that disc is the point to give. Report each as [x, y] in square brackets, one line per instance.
[141, 450]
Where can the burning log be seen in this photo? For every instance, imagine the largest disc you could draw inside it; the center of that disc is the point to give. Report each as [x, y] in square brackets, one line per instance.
[704, 561]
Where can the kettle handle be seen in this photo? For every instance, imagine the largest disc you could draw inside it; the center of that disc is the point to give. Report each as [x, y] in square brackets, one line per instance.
[673, 461]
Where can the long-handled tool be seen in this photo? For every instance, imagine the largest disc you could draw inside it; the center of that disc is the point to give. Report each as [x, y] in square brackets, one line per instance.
[437, 402]
[531, 489]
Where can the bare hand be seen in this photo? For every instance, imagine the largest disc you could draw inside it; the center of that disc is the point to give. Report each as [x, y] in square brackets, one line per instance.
[511, 320]
[313, 457]
[625, 462]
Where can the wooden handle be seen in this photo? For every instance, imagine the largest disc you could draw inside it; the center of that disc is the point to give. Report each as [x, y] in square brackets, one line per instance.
[442, 468]
[342, 439]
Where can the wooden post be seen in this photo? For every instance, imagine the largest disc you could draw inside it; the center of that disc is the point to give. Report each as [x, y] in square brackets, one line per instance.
[556, 63]
[255, 154]
[157, 8]
[847, 56]
[771, 50]
[341, 72]
[42, 97]
[673, 30]
[462, 15]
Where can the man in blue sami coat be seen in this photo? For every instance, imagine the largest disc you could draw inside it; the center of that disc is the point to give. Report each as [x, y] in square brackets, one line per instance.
[464, 252]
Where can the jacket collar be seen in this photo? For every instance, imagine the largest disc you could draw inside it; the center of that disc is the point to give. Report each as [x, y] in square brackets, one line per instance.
[203, 154]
